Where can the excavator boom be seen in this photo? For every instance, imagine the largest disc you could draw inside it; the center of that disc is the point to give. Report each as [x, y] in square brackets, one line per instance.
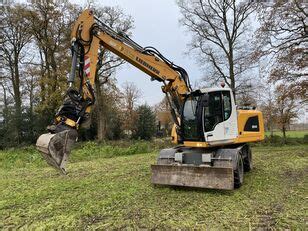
[90, 36]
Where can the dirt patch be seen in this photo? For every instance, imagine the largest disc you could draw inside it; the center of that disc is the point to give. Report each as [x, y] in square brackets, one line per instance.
[267, 220]
[91, 220]
[294, 175]
[302, 154]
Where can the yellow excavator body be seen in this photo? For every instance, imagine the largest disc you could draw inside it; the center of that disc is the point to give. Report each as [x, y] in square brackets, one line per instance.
[210, 133]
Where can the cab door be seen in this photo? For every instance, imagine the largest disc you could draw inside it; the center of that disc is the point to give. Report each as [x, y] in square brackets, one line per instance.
[219, 118]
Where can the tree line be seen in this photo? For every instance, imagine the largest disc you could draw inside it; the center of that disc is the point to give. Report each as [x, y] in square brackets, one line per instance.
[35, 60]
[259, 50]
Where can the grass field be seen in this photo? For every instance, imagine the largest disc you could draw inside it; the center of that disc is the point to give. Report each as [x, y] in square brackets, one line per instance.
[109, 188]
[291, 134]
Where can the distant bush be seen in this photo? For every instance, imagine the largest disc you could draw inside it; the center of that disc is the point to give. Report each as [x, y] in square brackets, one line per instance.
[20, 157]
[91, 150]
[305, 139]
[83, 151]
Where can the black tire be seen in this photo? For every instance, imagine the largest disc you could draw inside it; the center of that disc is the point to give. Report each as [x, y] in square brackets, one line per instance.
[247, 158]
[239, 172]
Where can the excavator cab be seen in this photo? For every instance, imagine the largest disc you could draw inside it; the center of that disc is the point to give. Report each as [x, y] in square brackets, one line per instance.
[209, 115]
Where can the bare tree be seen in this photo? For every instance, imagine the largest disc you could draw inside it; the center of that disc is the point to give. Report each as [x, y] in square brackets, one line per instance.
[283, 36]
[31, 92]
[269, 109]
[117, 20]
[287, 107]
[163, 105]
[280, 106]
[107, 108]
[14, 38]
[49, 23]
[131, 95]
[246, 96]
[163, 115]
[218, 28]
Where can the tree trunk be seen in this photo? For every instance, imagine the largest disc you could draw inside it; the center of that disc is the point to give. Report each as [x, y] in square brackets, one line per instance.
[271, 127]
[272, 132]
[54, 69]
[284, 134]
[41, 82]
[231, 70]
[101, 120]
[17, 99]
[31, 104]
[5, 110]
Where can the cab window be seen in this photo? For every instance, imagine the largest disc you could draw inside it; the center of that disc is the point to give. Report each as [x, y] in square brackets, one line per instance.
[213, 114]
[218, 110]
[227, 104]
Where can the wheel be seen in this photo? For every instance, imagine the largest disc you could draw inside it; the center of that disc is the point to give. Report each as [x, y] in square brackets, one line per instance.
[239, 171]
[247, 158]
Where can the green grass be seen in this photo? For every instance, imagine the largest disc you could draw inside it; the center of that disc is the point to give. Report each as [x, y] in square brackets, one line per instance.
[291, 134]
[106, 191]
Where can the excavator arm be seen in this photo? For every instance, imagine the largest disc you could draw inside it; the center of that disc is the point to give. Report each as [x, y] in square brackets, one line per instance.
[89, 36]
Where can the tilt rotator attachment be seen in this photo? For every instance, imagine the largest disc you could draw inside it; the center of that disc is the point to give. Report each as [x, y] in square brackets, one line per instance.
[56, 145]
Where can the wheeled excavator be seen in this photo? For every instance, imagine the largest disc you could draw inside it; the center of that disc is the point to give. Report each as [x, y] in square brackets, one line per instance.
[211, 135]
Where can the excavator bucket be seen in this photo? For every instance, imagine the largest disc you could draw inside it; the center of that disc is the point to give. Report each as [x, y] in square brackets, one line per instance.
[193, 176]
[55, 148]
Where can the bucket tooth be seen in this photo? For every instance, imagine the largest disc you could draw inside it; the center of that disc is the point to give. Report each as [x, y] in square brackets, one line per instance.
[193, 176]
[55, 148]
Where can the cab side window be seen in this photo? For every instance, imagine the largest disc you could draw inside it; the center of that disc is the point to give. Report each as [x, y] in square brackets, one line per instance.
[227, 104]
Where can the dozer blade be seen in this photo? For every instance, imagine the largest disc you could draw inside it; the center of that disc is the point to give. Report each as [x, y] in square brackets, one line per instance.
[55, 148]
[193, 176]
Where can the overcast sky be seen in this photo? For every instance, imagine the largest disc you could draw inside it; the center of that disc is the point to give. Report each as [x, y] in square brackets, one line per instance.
[156, 24]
